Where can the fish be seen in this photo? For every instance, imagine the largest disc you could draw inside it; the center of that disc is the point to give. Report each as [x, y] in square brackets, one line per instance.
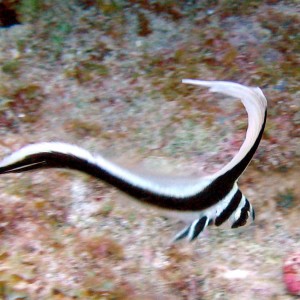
[213, 199]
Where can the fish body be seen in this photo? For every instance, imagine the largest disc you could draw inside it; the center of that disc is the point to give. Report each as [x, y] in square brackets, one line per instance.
[209, 200]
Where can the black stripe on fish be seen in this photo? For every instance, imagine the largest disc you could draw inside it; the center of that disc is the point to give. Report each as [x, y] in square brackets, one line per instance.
[231, 207]
[199, 227]
[242, 220]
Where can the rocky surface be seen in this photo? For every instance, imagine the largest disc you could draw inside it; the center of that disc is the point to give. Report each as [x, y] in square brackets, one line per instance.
[107, 76]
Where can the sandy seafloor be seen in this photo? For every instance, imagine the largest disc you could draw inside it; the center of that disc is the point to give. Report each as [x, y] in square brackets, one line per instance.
[108, 78]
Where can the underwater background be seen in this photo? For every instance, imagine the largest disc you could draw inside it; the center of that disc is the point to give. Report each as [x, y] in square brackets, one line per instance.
[106, 75]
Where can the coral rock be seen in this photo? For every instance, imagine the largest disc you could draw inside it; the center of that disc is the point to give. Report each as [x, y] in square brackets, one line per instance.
[291, 273]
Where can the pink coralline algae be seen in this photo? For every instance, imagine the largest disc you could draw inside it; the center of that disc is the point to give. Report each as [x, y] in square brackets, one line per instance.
[291, 273]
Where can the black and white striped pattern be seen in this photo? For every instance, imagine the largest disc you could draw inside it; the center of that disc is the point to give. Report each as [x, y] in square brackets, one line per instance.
[209, 200]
